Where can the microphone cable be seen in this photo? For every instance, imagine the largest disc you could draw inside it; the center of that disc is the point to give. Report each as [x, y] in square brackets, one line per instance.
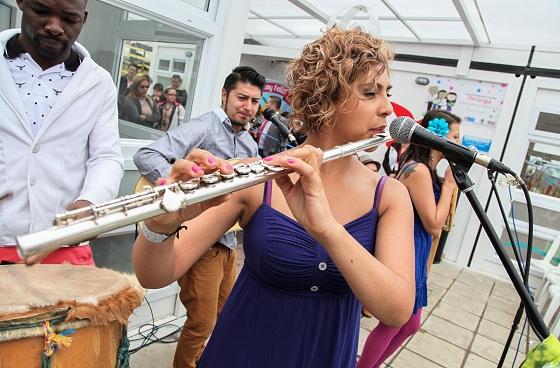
[148, 335]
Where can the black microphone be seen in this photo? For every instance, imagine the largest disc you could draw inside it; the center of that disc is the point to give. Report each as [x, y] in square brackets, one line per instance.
[272, 116]
[405, 130]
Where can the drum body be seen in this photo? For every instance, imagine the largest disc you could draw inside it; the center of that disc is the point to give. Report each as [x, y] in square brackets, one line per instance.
[79, 312]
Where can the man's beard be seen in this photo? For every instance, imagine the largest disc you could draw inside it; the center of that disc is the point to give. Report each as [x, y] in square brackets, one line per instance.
[49, 52]
[239, 123]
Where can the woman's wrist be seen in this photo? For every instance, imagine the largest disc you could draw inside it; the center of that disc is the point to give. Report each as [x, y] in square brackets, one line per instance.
[158, 227]
[328, 234]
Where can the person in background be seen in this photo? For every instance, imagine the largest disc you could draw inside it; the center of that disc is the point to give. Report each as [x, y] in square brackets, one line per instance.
[59, 133]
[157, 93]
[139, 107]
[390, 161]
[269, 137]
[314, 253]
[206, 284]
[172, 113]
[126, 80]
[176, 82]
[431, 199]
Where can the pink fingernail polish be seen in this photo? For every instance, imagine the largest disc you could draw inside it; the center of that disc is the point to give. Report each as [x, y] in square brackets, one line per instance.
[161, 181]
[268, 158]
[291, 161]
[196, 169]
[211, 160]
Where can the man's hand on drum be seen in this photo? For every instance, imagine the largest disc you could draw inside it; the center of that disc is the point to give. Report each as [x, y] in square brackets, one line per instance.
[197, 163]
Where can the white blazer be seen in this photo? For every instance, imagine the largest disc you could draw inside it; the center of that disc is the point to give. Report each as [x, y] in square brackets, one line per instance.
[76, 153]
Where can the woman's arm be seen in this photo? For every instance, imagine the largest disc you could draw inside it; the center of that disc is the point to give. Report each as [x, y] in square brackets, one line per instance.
[158, 265]
[384, 283]
[418, 181]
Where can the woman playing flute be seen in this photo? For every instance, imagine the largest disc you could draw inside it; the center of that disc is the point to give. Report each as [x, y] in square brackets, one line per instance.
[318, 242]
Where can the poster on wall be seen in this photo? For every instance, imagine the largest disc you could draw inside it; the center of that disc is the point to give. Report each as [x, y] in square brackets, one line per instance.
[275, 94]
[476, 102]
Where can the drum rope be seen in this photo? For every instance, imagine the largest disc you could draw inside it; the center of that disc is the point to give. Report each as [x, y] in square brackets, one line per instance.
[54, 342]
[123, 354]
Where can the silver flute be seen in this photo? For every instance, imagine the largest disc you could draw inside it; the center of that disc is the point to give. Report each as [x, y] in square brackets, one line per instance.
[72, 227]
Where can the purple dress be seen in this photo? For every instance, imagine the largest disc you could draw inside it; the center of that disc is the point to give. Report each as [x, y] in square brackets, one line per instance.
[290, 306]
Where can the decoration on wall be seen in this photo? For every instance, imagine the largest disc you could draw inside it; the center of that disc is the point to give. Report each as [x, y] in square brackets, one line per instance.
[476, 102]
[477, 143]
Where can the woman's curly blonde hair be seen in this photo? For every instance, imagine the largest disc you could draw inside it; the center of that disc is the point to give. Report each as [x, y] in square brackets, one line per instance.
[323, 78]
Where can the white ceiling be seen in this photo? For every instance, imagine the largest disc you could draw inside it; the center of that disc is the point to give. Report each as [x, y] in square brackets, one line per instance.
[518, 23]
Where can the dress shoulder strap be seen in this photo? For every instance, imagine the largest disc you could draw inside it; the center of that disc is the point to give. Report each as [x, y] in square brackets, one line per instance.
[379, 191]
[267, 196]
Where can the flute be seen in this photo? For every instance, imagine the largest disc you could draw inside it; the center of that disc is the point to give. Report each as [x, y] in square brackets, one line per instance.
[72, 227]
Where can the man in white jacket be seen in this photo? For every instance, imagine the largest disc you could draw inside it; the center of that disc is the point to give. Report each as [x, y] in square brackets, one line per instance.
[59, 140]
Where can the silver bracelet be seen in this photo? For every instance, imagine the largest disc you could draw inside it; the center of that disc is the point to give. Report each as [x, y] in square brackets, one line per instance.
[150, 235]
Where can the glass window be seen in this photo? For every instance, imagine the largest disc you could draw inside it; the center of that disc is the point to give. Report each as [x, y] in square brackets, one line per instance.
[541, 169]
[200, 4]
[542, 216]
[540, 246]
[548, 122]
[140, 52]
[5, 16]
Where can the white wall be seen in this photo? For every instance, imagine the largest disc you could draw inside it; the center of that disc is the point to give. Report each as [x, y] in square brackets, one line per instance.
[271, 69]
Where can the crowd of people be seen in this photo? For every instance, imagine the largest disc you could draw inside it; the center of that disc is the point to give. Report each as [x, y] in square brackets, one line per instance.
[317, 258]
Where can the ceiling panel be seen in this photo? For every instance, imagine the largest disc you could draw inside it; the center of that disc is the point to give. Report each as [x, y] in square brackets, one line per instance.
[440, 30]
[332, 7]
[256, 26]
[302, 26]
[424, 8]
[276, 8]
[293, 43]
[536, 24]
[395, 28]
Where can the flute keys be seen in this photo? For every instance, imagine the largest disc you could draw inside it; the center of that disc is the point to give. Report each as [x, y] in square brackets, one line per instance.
[228, 176]
[271, 167]
[256, 168]
[189, 185]
[243, 169]
[210, 178]
[171, 201]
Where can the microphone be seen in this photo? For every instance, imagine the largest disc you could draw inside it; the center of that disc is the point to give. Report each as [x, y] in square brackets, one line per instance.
[272, 116]
[405, 130]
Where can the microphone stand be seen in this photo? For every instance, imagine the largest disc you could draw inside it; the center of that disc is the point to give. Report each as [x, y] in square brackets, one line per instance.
[466, 185]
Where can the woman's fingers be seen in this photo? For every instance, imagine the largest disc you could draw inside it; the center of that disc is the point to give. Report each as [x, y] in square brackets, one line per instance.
[198, 163]
[208, 162]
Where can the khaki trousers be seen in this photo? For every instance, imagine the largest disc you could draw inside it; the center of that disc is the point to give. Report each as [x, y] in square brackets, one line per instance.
[204, 290]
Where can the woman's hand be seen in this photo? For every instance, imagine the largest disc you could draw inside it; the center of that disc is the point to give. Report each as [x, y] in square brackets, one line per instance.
[197, 163]
[306, 197]
[448, 178]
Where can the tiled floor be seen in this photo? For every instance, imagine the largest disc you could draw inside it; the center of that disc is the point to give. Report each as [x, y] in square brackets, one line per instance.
[465, 326]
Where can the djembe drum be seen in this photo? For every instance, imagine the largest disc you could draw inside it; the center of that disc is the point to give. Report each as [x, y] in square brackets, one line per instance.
[65, 316]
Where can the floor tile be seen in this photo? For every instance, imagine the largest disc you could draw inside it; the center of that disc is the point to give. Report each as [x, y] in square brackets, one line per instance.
[457, 316]
[447, 269]
[464, 302]
[474, 361]
[448, 331]
[472, 292]
[499, 317]
[407, 359]
[436, 350]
